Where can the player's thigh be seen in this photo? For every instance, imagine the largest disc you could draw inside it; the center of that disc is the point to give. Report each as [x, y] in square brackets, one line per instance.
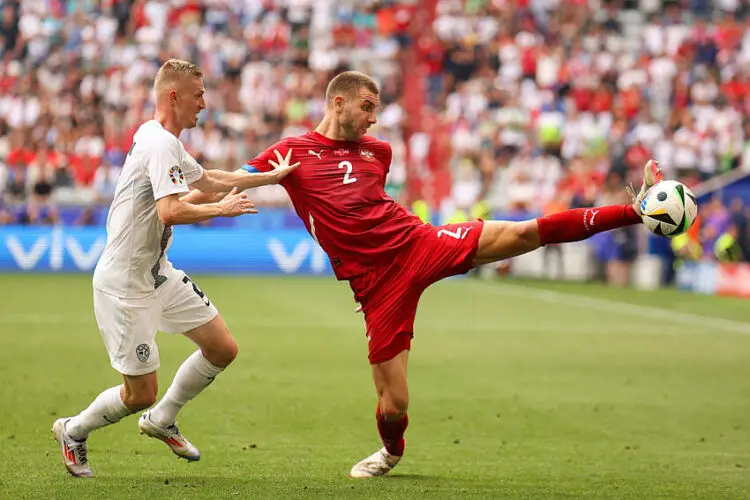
[443, 251]
[505, 239]
[391, 384]
[390, 308]
[188, 310]
[128, 328]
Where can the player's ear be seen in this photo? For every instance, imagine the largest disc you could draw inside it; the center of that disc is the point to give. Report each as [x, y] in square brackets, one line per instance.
[338, 103]
[172, 96]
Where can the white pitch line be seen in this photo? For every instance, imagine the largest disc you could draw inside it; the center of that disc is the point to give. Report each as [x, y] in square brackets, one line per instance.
[613, 306]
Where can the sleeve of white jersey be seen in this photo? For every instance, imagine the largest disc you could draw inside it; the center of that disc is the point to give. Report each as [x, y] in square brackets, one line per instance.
[164, 163]
[191, 168]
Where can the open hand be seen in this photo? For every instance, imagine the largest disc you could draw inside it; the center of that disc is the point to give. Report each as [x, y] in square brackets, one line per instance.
[234, 204]
[282, 168]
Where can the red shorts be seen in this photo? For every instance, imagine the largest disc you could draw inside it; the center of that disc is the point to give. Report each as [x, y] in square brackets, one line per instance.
[389, 293]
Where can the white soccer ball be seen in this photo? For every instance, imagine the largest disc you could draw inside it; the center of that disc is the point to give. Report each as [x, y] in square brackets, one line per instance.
[669, 208]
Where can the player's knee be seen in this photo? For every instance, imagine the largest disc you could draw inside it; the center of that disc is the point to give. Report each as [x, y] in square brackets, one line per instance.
[393, 407]
[222, 355]
[139, 393]
[137, 401]
[527, 233]
[230, 352]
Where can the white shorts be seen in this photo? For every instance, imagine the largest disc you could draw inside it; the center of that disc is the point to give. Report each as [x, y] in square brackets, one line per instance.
[128, 326]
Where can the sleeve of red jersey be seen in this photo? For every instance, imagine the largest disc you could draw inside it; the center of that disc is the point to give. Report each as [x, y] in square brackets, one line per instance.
[386, 155]
[260, 162]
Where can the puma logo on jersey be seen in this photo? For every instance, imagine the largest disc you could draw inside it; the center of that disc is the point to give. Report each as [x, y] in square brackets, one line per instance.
[311, 152]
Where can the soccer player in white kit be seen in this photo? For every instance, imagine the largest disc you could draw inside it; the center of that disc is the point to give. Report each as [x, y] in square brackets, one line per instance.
[136, 289]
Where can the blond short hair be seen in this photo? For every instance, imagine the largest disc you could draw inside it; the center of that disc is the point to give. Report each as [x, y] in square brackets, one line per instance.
[348, 83]
[174, 69]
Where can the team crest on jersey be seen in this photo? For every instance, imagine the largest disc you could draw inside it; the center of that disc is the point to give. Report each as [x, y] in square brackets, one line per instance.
[366, 154]
[176, 175]
[341, 152]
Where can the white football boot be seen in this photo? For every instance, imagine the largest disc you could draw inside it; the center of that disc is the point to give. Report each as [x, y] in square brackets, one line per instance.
[652, 174]
[379, 463]
[74, 453]
[171, 436]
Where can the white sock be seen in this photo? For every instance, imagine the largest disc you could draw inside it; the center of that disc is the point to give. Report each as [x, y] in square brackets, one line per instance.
[194, 375]
[106, 409]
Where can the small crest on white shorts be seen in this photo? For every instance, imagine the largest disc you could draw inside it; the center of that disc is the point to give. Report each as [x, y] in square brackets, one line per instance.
[143, 351]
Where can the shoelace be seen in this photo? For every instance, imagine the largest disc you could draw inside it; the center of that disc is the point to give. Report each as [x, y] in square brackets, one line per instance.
[80, 451]
[173, 428]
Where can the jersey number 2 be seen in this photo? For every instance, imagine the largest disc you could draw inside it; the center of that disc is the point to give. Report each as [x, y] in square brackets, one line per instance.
[348, 166]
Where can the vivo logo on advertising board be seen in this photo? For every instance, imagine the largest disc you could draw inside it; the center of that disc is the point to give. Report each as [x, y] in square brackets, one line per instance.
[204, 250]
[291, 262]
[55, 246]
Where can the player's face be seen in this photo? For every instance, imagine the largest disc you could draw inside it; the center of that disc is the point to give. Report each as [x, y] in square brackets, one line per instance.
[189, 101]
[358, 114]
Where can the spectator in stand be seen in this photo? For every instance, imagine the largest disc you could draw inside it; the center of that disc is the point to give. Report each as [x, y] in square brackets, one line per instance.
[600, 93]
[75, 74]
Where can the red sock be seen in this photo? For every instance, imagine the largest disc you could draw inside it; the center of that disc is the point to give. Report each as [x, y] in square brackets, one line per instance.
[392, 433]
[581, 223]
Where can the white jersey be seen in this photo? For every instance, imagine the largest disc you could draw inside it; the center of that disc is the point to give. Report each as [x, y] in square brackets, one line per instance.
[134, 262]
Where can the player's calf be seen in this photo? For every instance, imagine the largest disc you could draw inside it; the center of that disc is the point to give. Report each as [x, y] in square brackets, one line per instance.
[581, 223]
[393, 401]
[392, 427]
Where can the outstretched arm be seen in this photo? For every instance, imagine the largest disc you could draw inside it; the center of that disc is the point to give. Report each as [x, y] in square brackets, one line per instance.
[239, 178]
[214, 181]
[173, 210]
[198, 197]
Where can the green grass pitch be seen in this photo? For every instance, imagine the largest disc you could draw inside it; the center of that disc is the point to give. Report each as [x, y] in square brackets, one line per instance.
[518, 390]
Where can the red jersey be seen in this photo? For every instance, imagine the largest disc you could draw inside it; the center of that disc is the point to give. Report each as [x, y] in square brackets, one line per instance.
[339, 192]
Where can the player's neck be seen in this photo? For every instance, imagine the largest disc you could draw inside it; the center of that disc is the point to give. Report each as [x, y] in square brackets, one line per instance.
[169, 125]
[330, 129]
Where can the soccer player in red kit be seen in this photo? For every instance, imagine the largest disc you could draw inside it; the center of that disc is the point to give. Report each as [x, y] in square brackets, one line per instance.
[388, 255]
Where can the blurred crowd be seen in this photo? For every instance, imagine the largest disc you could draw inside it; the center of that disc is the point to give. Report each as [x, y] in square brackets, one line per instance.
[552, 104]
[76, 76]
[558, 101]
[518, 105]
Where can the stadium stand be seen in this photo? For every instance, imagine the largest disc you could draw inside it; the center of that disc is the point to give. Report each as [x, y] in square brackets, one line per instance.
[527, 105]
